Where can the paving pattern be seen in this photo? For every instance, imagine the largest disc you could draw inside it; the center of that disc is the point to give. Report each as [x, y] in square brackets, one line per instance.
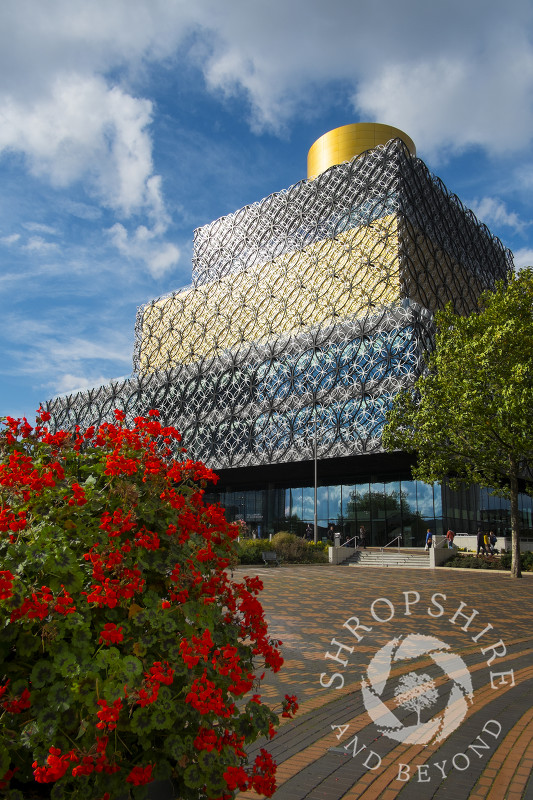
[484, 618]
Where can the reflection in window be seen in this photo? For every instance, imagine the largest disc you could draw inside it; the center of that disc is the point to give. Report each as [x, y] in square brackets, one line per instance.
[347, 492]
[424, 499]
[308, 511]
[322, 502]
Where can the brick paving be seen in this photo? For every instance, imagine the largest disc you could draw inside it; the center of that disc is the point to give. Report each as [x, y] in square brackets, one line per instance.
[488, 756]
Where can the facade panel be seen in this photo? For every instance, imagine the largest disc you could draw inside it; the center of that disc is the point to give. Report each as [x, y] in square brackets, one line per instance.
[307, 312]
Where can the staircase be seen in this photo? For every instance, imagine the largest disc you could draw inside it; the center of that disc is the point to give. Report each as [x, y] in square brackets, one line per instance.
[375, 557]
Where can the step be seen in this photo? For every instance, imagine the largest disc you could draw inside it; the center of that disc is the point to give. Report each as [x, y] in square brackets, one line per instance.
[377, 558]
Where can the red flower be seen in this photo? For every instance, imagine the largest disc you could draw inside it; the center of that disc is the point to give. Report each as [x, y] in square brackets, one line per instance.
[6, 584]
[108, 715]
[139, 776]
[290, 706]
[236, 778]
[44, 416]
[57, 766]
[4, 782]
[111, 634]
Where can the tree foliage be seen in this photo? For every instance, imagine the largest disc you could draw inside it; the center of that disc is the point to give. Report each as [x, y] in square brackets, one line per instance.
[470, 414]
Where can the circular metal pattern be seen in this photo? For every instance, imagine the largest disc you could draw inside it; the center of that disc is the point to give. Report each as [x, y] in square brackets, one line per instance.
[311, 307]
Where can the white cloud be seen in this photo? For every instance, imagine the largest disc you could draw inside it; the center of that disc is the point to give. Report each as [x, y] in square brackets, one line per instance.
[85, 129]
[70, 384]
[39, 227]
[81, 210]
[36, 244]
[493, 211]
[11, 239]
[454, 75]
[523, 257]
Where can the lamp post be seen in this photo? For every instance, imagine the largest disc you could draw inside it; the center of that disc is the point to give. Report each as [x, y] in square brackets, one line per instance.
[316, 484]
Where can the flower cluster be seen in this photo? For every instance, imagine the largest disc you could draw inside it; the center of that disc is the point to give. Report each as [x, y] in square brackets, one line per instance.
[136, 655]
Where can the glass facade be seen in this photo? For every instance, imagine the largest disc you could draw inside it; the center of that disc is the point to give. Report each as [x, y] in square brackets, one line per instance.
[387, 509]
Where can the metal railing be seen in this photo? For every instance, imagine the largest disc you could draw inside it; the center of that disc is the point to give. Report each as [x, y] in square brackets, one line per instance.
[353, 539]
[398, 539]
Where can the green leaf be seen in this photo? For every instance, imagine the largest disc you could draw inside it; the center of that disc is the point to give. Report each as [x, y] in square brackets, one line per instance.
[42, 673]
[194, 777]
[131, 668]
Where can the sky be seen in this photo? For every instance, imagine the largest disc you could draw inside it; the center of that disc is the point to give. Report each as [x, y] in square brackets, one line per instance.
[126, 124]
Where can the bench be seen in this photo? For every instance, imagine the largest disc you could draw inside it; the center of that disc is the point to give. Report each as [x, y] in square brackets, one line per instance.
[270, 557]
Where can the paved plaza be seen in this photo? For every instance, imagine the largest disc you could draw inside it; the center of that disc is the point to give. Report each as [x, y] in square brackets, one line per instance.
[359, 642]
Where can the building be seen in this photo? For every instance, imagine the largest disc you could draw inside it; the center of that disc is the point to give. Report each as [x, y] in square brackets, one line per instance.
[306, 313]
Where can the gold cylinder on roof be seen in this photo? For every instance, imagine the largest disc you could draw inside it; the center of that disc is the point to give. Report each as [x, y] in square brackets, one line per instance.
[344, 143]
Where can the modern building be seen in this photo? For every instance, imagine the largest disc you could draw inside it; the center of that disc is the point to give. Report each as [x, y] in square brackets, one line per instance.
[307, 312]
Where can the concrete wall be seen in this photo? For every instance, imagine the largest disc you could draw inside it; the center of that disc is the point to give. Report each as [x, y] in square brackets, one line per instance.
[339, 554]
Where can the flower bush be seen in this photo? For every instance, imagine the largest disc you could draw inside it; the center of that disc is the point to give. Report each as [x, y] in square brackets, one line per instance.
[127, 652]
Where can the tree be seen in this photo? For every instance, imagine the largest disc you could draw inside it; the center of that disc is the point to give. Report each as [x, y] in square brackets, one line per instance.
[469, 416]
[127, 652]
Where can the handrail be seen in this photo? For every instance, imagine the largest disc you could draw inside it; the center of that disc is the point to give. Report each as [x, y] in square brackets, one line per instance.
[353, 539]
[399, 538]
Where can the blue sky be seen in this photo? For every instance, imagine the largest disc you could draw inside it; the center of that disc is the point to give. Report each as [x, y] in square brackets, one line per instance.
[126, 124]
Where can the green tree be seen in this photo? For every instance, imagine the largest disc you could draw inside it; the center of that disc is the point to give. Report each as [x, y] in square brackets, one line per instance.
[469, 416]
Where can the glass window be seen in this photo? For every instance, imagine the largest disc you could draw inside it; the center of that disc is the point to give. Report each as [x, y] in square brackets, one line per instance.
[322, 502]
[392, 499]
[288, 500]
[408, 497]
[362, 503]
[347, 508]
[424, 499]
[377, 501]
[308, 511]
[334, 504]
[437, 500]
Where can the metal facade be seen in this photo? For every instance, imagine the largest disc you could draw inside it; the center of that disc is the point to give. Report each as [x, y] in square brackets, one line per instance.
[307, 311]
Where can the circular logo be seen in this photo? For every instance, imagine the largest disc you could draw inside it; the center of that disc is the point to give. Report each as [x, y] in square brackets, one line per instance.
[417, 691]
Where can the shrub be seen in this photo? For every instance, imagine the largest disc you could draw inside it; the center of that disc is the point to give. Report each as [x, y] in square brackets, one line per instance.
[127, 652]
[502, 562]
[249, 551]
[293, 549]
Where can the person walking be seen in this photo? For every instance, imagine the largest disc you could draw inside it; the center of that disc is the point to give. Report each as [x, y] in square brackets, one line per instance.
[429, 539]
[492, 542]
[362, 537]
[481, 542]
[450, 536]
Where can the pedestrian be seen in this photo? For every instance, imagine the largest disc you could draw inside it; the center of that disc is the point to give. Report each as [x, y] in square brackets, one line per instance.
[486, 542]
[450, 536]
[362, 537]
[429, 540]
[492, 542]
[481, 542]
[309, 531]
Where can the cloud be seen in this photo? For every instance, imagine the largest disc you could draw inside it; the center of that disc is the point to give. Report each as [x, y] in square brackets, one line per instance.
[38, 227]
[85, 129]
[491, 210]
[523, 258]
[453, 75]
[73, 80]
[70, 384]
[81, 210]
[11, 239]
[36, 244]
